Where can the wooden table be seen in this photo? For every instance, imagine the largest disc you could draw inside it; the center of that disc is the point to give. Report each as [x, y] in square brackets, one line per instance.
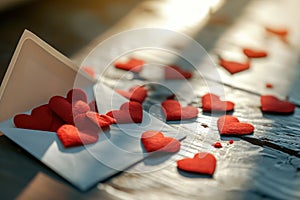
[264, 165]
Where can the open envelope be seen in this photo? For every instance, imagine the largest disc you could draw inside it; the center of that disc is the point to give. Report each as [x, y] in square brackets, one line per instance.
[38, 72]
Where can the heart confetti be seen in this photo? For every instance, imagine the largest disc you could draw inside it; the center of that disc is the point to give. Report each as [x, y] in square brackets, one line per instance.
[253, 53]
[173, 111]
[175, 72]
[269, 85]
[230, 125]
[212, 102]
[156, 141]
[70, 136]
[133, 64]
[130, 112]
[234, 67]
[203, 163]
[272, 104]
[136, 93]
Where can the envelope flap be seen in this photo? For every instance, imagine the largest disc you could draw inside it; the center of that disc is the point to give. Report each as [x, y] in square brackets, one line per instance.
[35, 73]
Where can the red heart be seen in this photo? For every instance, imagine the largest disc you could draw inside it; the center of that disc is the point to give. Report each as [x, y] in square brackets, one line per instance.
[41, 118]
[83, 123]
[272, 104]
[137, 93]
[102, 121]
[203, 163]
[212, 102]
[175, 72]
[76, 94]
[253, 53]
[156, 141]
[93, 106]
[60, 106]
[133, 64]
[70, 136]
[230, 125]
[130, 112]
[80, 107]
[234, 67]
[269, 85]
[173, 111]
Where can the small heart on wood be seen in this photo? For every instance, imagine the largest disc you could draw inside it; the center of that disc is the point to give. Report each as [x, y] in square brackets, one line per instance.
[156, 141]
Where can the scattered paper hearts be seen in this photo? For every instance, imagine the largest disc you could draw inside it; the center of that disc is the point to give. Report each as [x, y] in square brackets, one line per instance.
[203, 163]
[41, 118]
[173, 111]
[62, 108]
[70, 136]
[253, 53]
[212, 102]
[217, 145]
[130, 112]
[230, 125]
[136, 93]
[156, 141]
[76, 94]
[175, 72]
[272, 104]
[234, 67]
[133, 64]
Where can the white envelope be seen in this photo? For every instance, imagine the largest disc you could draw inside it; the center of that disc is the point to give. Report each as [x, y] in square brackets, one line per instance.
[36, 73]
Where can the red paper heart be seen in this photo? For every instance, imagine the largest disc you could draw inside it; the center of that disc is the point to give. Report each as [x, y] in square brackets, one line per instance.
[41, 118]
[253, 53]
[203, 163]
[175, 72]
[137, 93]
[130, 112]
[133, 64]
[173, 111]
[230, 125]
[62, 108]
[234, 67]
[156, 141]
[71, 137]
[269, 85]
[80, 107]
[93, 106]
[83, 123]
[272, 104]
[76, 94]
[102, 121]
[212, 102]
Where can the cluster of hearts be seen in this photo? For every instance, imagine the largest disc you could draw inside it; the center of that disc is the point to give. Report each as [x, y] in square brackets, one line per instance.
[78, 122]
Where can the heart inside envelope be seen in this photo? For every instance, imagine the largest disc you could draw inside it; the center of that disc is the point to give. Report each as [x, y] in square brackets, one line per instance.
[130, 112]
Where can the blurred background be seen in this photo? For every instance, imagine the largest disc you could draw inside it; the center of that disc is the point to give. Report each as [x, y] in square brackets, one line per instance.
[67, 25]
